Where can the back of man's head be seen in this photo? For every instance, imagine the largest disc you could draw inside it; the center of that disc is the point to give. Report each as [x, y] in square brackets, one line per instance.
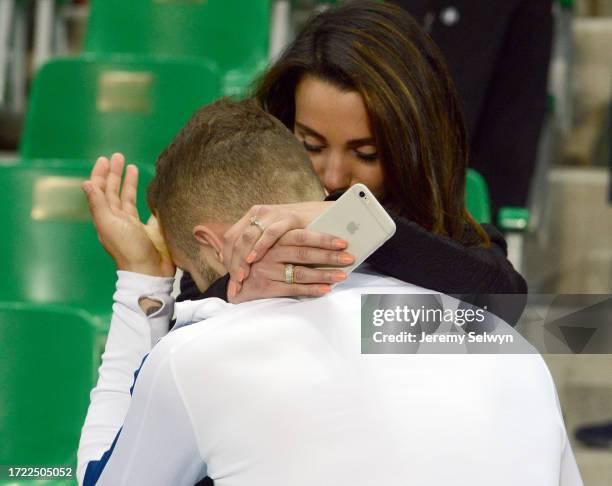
[228, 157]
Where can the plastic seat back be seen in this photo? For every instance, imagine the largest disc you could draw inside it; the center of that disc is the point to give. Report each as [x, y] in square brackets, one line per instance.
[233, 33]
[47, 369]
[86, 107]
[50, 247]
[477, 197]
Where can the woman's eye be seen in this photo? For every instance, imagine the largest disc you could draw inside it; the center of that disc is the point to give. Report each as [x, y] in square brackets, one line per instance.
[312, 148]
[367, 157]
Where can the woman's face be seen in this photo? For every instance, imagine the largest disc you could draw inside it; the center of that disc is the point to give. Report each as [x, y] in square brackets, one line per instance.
[334, 128]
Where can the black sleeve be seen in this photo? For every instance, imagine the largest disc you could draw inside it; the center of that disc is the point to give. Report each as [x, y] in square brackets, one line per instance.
[440, 263]
[444, 265]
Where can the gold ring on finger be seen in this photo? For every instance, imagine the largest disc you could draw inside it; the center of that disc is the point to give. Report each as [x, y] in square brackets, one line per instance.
[288, 273]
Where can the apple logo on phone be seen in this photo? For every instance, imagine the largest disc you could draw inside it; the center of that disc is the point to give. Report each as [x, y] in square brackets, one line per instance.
[352, 227]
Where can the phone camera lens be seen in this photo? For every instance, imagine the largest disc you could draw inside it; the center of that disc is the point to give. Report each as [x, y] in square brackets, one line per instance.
[361, 194]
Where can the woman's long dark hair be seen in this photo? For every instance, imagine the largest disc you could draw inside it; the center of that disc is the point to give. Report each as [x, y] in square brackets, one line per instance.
[381, 52]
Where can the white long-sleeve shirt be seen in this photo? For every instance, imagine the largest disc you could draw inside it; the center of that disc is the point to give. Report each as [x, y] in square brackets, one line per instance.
[276, 391]
[131, 337]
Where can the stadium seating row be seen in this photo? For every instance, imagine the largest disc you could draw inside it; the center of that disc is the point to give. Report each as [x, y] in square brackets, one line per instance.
[234, 34]
[147, 66]
[83, 107]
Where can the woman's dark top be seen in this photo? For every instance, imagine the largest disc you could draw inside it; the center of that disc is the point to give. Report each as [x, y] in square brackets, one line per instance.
[433, 262]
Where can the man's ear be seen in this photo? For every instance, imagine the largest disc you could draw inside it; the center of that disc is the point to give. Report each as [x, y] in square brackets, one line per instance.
[207, 237]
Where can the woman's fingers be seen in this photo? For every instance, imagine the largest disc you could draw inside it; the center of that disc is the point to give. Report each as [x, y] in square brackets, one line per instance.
[264, 276]
[271, 228]
[310, 256]
[232, 248]
[248, 230]
[129, 191]
[113, 181]
[263, 227]
[306, 237]
[267, 224]
[301, 275]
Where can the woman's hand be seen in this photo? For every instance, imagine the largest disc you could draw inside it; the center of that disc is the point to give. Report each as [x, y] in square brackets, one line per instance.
[134, 246]
[257, 250]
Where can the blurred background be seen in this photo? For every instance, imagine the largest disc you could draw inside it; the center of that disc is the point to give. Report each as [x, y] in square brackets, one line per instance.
[83, 78]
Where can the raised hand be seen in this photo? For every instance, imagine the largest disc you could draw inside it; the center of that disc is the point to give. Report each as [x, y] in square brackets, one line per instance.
[134, 246]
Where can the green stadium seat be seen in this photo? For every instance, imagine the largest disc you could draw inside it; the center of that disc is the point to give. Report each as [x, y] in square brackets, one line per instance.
[477, 197]
[233, 33]
[82, 108]
[50, 247]
[513, 221]
[512, 218]
[48, 367]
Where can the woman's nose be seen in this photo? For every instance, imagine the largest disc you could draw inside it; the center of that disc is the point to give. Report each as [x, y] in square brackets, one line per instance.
[336, 174]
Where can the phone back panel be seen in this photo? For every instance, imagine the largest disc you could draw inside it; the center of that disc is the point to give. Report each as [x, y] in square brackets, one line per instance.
[361, 221]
